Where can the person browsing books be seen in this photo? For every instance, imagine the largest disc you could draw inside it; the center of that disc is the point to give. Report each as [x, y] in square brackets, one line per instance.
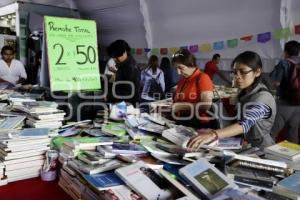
[194, 93]
[148, 75]
[211, 68]
[258, 107]
[12, 71]
[127, 75]
[288, 107]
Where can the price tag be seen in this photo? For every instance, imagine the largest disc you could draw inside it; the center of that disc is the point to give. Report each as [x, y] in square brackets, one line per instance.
[72, 54]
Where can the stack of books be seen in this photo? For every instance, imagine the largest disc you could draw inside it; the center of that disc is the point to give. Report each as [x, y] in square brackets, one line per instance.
[22, 152]
[71, 184]
[42, 114]
[285, 151]
[261, 174]
[144, 126]
[3, 180]
[11, 122]
[71, 147]
[16, 98]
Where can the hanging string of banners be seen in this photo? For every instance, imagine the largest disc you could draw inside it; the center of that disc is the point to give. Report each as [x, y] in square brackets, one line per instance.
[283, 33]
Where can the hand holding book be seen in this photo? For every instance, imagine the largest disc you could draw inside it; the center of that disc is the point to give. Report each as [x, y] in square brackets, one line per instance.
[204, 137]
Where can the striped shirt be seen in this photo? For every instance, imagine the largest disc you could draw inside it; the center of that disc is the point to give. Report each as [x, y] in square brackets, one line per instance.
[254, 113]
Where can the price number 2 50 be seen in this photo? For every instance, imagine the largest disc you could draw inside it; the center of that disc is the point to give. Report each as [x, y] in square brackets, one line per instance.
[88, 54]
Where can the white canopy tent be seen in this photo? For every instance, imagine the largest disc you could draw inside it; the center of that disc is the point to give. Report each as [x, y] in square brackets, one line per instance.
[176, 23]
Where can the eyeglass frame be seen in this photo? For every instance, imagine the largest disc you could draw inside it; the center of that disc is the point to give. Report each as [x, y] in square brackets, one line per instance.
[242, 73]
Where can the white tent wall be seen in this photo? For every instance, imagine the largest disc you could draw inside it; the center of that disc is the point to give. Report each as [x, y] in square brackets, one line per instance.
[116, 19]
[175, 23]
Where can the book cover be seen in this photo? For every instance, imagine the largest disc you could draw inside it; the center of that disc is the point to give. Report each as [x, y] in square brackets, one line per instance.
[152, 127]
[285, 149]
[117, 129]
[180, 151]
[144, 181]
[121, 192]
[131, 148]
[89, 142]
[178, 185]
[290, 184]
[11, 122]
[179, 135]
[98, 168]
[205, 178]
[137, 134]
[103, 180]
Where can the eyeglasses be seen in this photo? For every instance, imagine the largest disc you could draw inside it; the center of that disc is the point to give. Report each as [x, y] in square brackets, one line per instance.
[240, 72]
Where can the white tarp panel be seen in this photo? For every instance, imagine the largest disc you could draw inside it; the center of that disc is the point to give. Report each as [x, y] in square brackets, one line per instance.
[175, 23]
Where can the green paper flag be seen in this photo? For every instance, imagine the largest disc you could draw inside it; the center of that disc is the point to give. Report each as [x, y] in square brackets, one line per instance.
[72, 54]
[155, 51]
[132, 51]
[232, 43]
[283, 33]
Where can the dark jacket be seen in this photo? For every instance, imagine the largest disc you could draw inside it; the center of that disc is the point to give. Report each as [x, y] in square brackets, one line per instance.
[128, 71]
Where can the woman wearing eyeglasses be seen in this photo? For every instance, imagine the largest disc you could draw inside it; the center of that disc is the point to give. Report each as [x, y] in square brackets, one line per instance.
[194, 93]
[257, 104]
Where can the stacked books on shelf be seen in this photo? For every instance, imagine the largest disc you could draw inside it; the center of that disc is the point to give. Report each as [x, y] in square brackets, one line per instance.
[22, 152]
[41, 114]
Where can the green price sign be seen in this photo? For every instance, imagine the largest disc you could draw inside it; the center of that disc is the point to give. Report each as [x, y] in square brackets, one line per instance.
[72, 54]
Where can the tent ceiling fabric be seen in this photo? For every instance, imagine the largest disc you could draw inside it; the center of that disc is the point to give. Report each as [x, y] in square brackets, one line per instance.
[174, 23]
[116, 19]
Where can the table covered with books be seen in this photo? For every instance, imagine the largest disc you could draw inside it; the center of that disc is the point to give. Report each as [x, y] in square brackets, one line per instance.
[139, 156]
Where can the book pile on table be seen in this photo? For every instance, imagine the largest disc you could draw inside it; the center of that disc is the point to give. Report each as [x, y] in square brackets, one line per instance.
[41, 114]
[23, 152]
[11, 122]
[285, 151]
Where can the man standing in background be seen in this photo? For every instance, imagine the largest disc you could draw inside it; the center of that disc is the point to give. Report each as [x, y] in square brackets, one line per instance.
[127, 71]
[12, 71]
[211, 68]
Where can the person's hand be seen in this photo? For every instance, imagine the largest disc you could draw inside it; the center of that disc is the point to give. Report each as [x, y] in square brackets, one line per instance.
[202, 138]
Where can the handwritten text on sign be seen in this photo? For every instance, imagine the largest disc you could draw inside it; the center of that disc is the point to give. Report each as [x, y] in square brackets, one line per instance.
[72, 54]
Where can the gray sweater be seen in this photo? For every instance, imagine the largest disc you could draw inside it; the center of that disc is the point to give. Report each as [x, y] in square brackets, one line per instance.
[259, 134]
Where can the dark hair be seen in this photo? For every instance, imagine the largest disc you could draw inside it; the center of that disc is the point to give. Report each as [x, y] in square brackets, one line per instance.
[117, 48]
[184, 56]
[153, 63]
[292, 48]
[216, 56]
[165, 63]
[7, 48]
[252, 60]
